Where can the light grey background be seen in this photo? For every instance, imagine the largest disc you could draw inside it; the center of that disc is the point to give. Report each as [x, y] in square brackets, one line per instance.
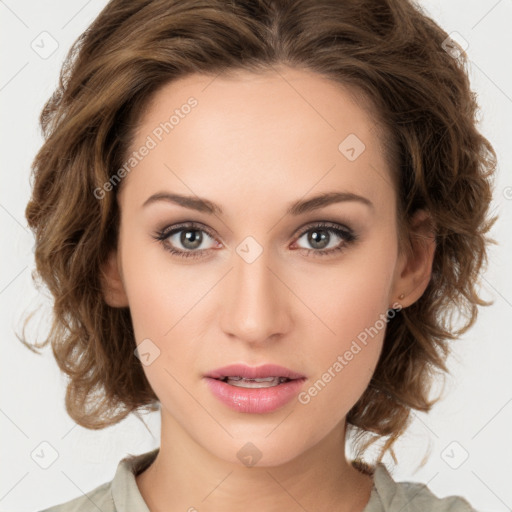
[475, 418]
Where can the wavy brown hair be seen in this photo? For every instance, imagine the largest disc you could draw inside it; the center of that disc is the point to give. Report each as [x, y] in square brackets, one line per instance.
[388, 51]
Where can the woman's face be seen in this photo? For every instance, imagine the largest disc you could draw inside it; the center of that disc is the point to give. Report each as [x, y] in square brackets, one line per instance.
[257, 281]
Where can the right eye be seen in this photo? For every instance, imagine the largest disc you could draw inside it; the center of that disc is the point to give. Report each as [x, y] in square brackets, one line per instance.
[189, 235]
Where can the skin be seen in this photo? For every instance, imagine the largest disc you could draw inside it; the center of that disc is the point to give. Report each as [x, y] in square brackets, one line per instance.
[254, 144]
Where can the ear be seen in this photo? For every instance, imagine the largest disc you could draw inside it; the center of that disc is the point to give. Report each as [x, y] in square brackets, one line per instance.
[414, 267]
[112, 283]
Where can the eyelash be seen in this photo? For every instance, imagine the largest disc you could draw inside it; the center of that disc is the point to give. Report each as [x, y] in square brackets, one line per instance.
[336, 229]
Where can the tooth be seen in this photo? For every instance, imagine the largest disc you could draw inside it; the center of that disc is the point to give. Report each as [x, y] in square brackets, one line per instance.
[260, 379]
[265, 382]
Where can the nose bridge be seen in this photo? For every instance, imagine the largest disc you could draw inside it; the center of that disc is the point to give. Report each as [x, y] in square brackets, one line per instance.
[254, 308]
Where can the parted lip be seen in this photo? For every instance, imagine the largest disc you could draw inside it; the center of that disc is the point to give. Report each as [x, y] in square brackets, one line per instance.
[253, 372]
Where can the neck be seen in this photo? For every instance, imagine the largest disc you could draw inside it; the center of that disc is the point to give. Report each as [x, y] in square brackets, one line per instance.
[185, 476]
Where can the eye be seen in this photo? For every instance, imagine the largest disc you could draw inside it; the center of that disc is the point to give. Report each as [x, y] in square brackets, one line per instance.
[322, 235]
[189, 235]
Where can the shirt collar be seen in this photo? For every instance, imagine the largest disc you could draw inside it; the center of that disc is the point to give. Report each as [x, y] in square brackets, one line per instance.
[126, 494]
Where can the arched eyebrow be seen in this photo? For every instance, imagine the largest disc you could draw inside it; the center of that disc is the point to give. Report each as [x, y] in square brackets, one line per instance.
[321, 200]
[299, 207]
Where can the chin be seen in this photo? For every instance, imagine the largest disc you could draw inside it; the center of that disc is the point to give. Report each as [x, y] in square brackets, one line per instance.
[259, 449]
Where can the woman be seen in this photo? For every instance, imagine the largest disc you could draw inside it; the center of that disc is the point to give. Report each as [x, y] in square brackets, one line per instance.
[256, 217]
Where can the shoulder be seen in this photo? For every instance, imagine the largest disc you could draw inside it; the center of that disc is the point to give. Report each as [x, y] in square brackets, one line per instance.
[419, 497]
[390, 496]
[99, 498]
[120, 494]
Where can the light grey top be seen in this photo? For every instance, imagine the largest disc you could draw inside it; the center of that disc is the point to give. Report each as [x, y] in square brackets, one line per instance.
[122, 494]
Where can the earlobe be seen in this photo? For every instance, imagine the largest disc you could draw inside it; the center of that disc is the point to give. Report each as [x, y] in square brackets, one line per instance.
[416, 268]
[112, 283]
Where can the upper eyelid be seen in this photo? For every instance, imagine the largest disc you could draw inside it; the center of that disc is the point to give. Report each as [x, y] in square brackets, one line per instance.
[176, 228]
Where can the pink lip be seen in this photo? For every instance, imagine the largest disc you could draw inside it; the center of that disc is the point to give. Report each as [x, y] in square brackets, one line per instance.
[253, 400]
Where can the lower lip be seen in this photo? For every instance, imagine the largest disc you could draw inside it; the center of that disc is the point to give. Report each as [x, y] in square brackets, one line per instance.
[255, 400]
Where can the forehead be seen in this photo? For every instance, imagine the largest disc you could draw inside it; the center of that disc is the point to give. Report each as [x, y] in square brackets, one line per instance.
[234, 102]
[278, 130]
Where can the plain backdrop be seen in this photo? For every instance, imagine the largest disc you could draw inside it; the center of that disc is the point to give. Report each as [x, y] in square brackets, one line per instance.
[466, 439]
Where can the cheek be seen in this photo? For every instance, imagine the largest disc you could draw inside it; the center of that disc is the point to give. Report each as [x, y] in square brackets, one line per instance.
[343, 363]
[350, 302]
[159, 293]
[351, 296]
[161, 307]
[165, 301]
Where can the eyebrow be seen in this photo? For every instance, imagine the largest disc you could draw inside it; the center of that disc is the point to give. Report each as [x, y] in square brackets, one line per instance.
[297, 208]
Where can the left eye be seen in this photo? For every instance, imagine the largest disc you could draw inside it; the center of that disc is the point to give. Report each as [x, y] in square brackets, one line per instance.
[320, 237]
[190, 236]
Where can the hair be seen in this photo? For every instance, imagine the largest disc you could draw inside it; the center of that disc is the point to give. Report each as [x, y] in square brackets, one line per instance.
[388, 52]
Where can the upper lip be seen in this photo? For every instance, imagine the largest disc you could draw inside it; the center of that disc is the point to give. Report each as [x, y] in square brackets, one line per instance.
[253, 372]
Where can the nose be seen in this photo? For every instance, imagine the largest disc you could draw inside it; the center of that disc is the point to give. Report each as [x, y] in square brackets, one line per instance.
[255, 306]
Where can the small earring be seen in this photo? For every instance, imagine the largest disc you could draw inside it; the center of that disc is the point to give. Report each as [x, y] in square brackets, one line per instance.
[401, 296]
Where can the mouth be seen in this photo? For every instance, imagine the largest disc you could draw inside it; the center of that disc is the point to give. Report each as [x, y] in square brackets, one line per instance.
[255, 390]
[244, 376]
